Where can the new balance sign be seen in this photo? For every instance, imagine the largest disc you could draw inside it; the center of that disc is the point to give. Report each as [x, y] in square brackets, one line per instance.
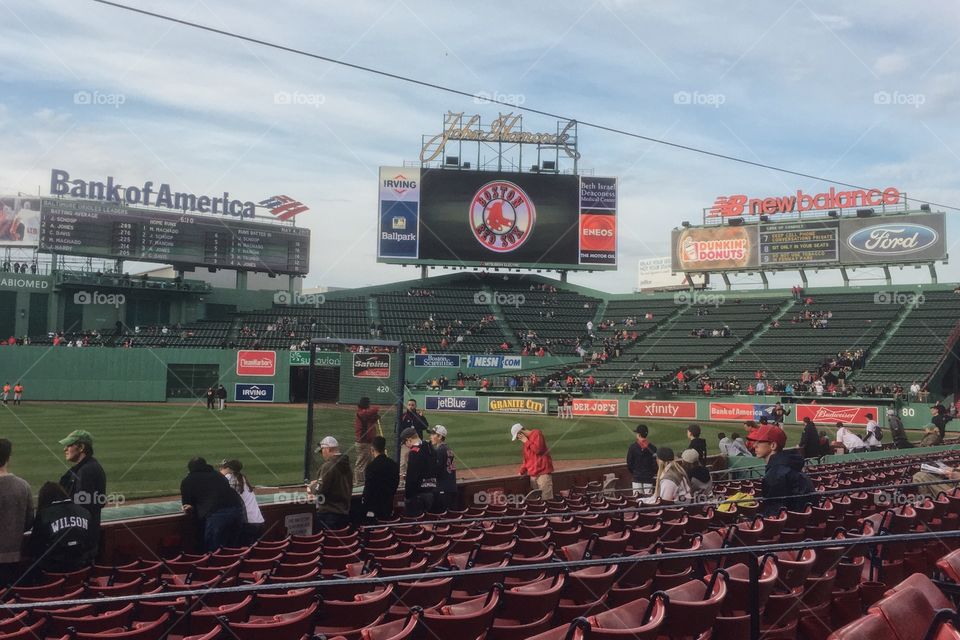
[453, 403]
[256, 363]
[245, 392]
[662, 409]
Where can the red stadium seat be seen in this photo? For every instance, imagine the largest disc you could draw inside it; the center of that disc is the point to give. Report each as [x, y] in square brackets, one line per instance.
[292, 625]
[907, 612]
[138, 631]
[347, 618]
[271, 603]
[469, 620]
[692, 607]
[402, 629]
[531, 602]
[640, 619]
[90, 623]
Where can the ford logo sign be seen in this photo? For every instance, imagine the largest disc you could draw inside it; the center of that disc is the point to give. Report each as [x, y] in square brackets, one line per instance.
[892, 239]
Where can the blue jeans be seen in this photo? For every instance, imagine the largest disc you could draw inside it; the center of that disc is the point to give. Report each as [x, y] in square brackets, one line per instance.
[332, 521]
[220, 528]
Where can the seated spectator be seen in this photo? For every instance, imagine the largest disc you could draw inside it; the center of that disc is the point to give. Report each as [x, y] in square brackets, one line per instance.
[931, 437]
[60, 540]
[207, 494]
[701, 485]
[673, 484]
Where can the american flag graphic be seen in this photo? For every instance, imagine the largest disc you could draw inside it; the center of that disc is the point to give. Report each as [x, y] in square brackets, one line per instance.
[284, 207]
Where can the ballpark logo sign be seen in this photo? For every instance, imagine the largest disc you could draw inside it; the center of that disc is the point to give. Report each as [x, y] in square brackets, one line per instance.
[502, 216]
[256, 363]
[245, 392]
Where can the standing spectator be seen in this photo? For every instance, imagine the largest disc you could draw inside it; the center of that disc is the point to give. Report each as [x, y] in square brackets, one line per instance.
[696, 442]
[364, 428]
[874, 435]
[382, 478]
[85, 482]
[537, 463]
[642, 462]
[252, 529]
[784, 484]
[333, 487]
[211, 398]
[810, 439]
[673, 485]
[16, 505]
[941, 416]
[723, 443]
[420, 483]
[897, 432]
[412, 417]
[61, 540]
[446, 468]
[219, 510]
[850, 441]
[914, 391]
[221, 398]
[18, 394]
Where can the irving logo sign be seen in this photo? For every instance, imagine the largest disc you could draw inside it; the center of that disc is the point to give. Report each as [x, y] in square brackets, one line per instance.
[517, 405]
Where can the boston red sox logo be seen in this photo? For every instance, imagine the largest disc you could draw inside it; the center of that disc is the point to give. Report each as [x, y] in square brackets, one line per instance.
[502, 216]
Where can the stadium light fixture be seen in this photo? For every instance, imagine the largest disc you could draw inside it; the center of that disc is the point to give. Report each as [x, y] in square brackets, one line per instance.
[833, 213]
[925, 207]
[465, 165]
[453, 161]
[535, 169]
[735, 222]
[864, 213]
[685, 224]
[549, 165]
[764, 218]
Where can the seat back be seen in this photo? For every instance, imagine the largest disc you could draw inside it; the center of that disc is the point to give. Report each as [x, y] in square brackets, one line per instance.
[907, 612]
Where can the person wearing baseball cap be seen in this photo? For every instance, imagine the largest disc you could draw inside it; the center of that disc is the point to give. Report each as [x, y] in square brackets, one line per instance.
[899, 435]
[446, 468]
[85, 482]
[333, 487]
[784, 484]
[537, 462]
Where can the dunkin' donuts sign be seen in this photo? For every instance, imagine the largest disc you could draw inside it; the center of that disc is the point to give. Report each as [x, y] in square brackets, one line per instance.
[714, 248]
[256, 363]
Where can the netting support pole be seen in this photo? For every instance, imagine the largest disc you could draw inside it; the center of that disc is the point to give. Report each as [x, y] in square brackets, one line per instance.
[310, 395]
[401, 391]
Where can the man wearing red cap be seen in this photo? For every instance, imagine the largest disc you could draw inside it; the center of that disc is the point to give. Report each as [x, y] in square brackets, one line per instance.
[784, 483]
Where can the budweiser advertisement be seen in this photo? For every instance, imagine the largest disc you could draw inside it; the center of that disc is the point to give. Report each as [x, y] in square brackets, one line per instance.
[662, 409]
[595, 407]
[830, 414]
[256, 363]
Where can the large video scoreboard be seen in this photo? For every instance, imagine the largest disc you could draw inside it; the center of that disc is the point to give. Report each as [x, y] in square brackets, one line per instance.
[90, 228]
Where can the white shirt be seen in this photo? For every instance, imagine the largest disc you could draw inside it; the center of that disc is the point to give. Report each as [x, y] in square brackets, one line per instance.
[670, 490]
[724, 443]
[872, 429]
[249, 502]
[914, 388]
[737, 448]
[849, 439]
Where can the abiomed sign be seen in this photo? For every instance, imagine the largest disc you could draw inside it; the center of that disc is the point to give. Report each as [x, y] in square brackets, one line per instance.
[517, 405]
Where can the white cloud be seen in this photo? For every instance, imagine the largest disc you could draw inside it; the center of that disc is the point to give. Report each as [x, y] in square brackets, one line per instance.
[890, 64]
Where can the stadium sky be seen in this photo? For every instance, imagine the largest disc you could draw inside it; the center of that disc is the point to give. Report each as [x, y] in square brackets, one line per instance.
[865, 93]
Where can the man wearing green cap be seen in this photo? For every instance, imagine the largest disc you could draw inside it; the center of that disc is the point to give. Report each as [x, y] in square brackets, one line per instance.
[85, 482]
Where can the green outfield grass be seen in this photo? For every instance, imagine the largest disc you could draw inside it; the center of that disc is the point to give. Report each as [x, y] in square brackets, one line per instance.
[145, 448]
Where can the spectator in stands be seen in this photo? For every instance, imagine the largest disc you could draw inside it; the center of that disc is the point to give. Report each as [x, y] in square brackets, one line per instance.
[219, 510]
[16, 505]
[537, 462]
[810, 439]
[738, 447]
[784, 484]
[642, 462]
[723, 443]
[897, 433]
[333, 487]
[85, 482]
[672, 485]
[412, 417]
[446, 469]
[934, 490]
[779, 414]
[914, 391]
[701, 486]
[873, 435]
[420, 482]
[696, 442]
[381, 481]
[931, 437]
[252, 529]
[365, 423]
[850, 441]
[61, 540]
[221, 398]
